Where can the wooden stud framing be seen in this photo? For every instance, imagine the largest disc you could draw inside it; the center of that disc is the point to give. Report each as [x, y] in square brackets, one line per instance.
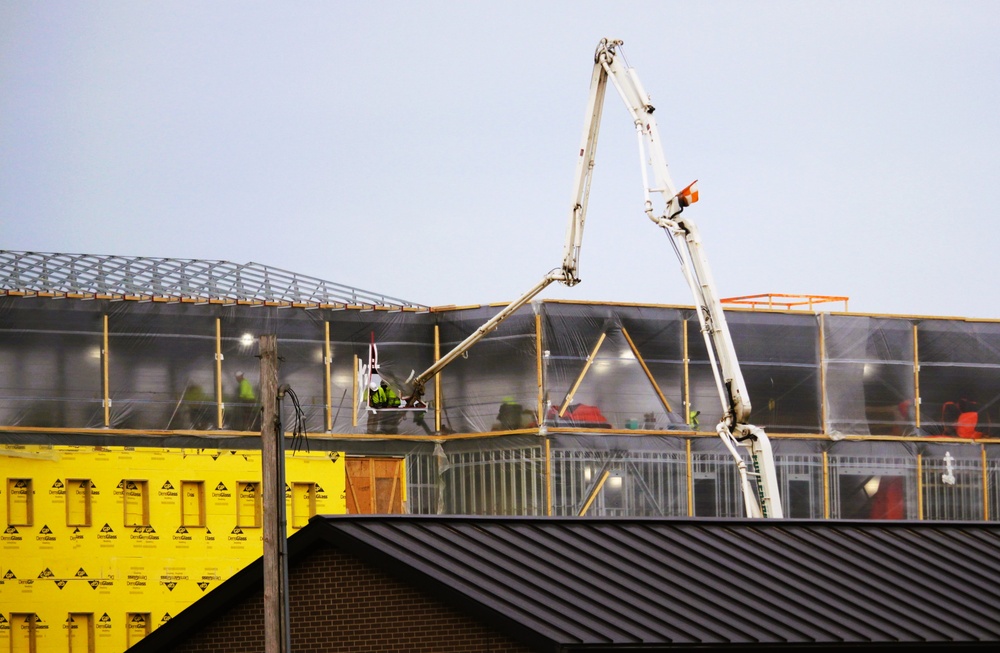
[583, 372]
[826, 485]
[366, 490]
[986, 486]
[327, 391]
[593, 493]
[824, 418]
[920, 486]
[437, 380]
[548, 478]
[352, 495]
[219, 405]
[541, 413]
[916, 378]
[687, 380]
[649, 375]
[538, 370]
[690, 476]
[392, 493]
[354, 394]
[105, 382]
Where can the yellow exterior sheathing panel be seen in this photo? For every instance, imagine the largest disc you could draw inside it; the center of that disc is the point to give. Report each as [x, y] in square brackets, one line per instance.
[62, 570]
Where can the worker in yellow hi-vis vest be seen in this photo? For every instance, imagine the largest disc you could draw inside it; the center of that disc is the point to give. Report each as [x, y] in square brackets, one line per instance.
[382, 396]
[245, 407]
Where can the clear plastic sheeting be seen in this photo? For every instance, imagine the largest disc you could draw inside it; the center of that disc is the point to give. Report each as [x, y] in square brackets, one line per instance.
[616, 476]
[953, 481]
[161, 367]
[873, 480]
[801, 473]
[596, 474]
[715, 480]
[499, 369]
[50, 363]
[959, 373]
[504, 479]
[567, 408]
[869, 370]
[779, 357]
[626, 364]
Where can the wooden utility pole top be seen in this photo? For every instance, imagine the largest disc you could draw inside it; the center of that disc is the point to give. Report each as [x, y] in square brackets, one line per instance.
[272, 450]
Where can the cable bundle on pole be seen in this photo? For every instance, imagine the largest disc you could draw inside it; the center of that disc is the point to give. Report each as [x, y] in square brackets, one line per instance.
[298, 421]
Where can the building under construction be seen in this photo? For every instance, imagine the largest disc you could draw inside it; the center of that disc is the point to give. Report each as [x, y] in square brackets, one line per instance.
[567, 408]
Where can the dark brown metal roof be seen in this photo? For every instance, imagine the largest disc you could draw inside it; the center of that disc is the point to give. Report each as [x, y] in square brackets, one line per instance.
[583, 582]
[575, 585]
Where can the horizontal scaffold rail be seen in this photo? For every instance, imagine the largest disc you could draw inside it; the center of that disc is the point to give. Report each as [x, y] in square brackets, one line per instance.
[781, 300]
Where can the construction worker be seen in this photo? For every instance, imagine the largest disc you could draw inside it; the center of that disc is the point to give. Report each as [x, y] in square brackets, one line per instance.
[960, 419]
[968, 419]
[246, 401]
[197, 404]
[381, 395]
[509, 415]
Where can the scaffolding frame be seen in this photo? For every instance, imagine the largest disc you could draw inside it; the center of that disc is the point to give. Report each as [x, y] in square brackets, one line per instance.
[773, 300]
[88, 276]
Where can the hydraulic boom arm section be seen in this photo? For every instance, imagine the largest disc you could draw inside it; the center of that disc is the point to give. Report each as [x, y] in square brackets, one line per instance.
[568, 273]
[733, 428]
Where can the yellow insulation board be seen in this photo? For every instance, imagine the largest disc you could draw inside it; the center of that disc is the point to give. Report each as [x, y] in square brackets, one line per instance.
[100, 545]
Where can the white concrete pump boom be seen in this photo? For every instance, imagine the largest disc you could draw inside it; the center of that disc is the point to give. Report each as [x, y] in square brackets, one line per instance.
[733, 427]
[568, 274]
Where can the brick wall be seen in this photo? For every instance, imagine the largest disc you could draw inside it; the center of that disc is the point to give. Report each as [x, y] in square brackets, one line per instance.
[339, 603]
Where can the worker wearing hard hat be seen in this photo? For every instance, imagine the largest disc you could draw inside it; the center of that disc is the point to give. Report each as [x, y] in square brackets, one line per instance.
[380, 396]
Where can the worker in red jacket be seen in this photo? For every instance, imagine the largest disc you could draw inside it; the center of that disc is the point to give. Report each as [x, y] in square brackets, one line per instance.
[968, 419]
[961, 418]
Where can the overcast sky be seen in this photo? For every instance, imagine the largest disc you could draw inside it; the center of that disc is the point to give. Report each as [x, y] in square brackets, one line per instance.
[426, 150]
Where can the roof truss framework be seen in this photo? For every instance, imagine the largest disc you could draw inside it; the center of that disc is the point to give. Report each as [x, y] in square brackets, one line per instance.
[144, 278]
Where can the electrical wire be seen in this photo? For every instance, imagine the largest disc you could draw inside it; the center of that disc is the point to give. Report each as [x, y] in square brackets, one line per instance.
[299, 438]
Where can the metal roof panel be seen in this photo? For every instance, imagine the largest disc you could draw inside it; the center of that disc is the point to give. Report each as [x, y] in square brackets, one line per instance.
[669, 582]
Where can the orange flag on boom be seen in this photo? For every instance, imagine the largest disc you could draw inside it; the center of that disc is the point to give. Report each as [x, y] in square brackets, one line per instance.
[689, 195]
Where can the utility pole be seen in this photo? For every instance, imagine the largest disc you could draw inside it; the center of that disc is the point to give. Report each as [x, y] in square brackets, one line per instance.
[277, 639]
